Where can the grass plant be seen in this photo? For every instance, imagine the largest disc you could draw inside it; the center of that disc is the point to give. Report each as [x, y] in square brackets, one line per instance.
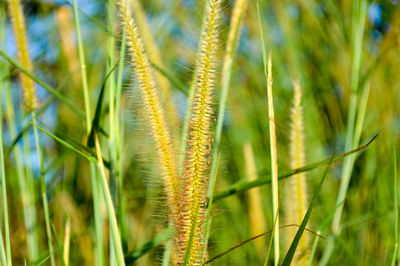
[140, 132]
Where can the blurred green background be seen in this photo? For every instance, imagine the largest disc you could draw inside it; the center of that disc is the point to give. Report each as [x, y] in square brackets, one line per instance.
[312, 41]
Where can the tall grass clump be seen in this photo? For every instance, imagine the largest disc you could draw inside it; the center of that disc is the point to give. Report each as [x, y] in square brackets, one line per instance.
[77, 188]
[296, 196]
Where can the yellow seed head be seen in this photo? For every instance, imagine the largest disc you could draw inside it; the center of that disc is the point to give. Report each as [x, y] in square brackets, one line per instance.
[153, 53]
[153, 109]
[30, 101]
[189, 240]
[296, 199]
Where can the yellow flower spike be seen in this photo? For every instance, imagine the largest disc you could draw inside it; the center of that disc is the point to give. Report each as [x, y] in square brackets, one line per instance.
[30, 102]
[153, 109]
[296, 199]
[190, 236]
[153, 53]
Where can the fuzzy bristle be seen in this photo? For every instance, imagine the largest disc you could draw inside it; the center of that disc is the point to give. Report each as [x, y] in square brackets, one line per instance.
[296, 199]
[30, 102]
[153, 53]
[190, 239]
[153, 109]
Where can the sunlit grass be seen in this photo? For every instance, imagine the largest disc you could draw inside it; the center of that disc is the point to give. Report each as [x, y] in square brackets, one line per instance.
[151, 132]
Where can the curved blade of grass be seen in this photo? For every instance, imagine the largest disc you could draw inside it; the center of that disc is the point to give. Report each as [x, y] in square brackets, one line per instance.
[50, 89]
[66, 144]
[267, 62]
[96, 120]
[26, 127]
[155, 242]
[37, 112]
[290, 254]
[240, 187]
[5, 255]
[114, 231]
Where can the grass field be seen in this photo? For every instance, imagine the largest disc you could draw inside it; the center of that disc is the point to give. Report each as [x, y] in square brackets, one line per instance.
[188, 132]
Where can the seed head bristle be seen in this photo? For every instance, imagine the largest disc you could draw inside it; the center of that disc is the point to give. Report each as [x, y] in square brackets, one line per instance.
[153, 109]
[190, 239]
[30, 102]
[153, 53]
[296, 200]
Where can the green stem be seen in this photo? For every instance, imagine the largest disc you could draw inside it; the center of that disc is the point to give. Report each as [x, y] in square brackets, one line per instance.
[43, 190]
[83, 69]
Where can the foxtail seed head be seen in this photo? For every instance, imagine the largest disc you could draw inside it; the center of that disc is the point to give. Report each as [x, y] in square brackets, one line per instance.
[296, 200]
[190, 236]
[153, 109]
[30, 102]
[153, 53]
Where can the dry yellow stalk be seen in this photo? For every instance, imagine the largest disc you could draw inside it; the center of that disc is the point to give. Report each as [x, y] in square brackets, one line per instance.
[296, 198]
[30, 101]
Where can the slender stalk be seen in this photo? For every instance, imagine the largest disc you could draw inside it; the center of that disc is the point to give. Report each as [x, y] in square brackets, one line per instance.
[43, 191]
[115, 235]
[119, 125]
[3, 258]
[67, 241]
[112, 124]
[274, 160]
[3, 72]
[83, 68]
[4, 187]
[396, 210]
[360, 9]
[272, 139]
[352, 136]
[96, 192]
